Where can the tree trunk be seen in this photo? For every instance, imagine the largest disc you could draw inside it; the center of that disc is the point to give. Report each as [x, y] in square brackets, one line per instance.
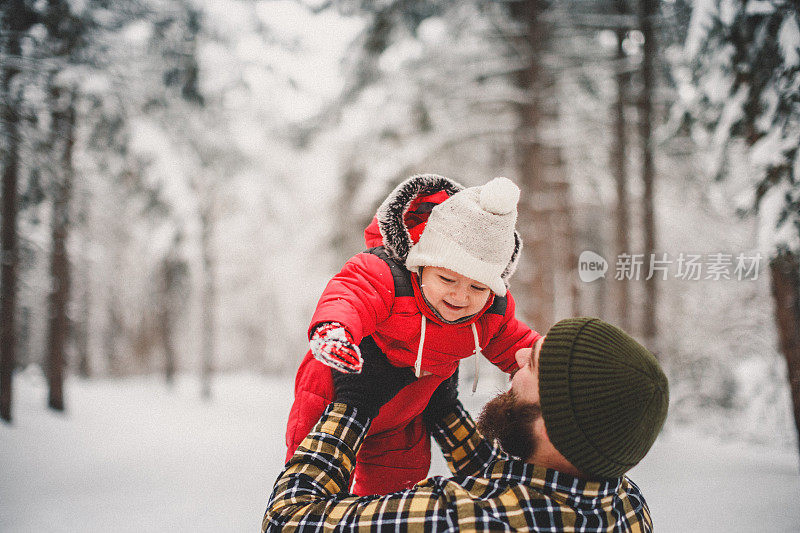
[543, 205]
[111, 334]
[567, 290]
[785, 276]
[169, 349]
[9, 114]
[171, 283]
[619, 155]
[647, 11]
[81, 325]
[572, 264]
[58, 331]
[207, 303]
[23, 353]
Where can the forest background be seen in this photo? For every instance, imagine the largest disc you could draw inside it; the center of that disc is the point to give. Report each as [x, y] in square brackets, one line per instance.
[181, 178]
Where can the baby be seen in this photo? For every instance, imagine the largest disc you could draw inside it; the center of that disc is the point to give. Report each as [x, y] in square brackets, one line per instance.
[431, 290]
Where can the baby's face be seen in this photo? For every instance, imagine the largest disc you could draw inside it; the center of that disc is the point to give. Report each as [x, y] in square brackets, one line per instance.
[454, 296]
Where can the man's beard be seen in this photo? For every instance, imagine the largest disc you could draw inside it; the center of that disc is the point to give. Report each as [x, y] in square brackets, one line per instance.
[510, 421]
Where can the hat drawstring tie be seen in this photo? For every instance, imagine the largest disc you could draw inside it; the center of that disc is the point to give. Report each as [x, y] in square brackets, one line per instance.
[478, 354]
[418, 363]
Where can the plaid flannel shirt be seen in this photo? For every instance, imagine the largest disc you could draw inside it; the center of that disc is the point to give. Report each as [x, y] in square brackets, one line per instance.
[489, 490]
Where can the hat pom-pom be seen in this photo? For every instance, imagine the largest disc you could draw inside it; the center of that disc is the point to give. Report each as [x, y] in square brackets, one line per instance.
[499, 196]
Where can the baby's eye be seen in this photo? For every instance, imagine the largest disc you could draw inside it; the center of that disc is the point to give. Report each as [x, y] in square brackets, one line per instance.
[479, 289]
[446, 280]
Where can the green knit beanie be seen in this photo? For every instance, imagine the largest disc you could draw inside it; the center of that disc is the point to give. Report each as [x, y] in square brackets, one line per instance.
[604, 397]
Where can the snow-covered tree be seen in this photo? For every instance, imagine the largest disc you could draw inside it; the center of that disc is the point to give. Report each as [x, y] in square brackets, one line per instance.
[65, 37]
[16, 17]
[745, 91]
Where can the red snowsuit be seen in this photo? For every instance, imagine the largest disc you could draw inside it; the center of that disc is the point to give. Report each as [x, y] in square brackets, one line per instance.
[375, 295]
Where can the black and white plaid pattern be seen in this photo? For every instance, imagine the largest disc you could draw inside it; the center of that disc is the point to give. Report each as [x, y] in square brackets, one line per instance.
[490, 491]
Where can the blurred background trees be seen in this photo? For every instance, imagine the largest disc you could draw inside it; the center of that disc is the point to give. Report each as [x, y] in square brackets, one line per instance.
[180, 179]
[746, 76]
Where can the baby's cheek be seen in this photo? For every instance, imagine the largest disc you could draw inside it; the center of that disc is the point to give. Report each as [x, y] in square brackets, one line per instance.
[427, 292]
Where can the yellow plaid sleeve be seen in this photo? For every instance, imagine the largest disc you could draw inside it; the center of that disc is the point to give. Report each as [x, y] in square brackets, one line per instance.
[467, 452]
[312, 491]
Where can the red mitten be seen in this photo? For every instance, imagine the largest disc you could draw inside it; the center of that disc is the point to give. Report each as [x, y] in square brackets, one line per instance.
[332, 344]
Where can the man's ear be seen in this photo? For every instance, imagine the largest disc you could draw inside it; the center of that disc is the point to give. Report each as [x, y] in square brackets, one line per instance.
[547, 454]
[540, 431]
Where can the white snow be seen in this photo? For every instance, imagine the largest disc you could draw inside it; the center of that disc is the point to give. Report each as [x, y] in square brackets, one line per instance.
[339, 334]
[731, 113]
[694, 483]
[770, 149]
[137, 33]
[432, 30]
[396, 56]
[133, 455]
[319, 44]
[757, 7]
[703, 12]
[607, 39]
[789, 41]
[770, 237]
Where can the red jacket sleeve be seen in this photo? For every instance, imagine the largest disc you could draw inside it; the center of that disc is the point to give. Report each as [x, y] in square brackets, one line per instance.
[513, 335]
[359, 297]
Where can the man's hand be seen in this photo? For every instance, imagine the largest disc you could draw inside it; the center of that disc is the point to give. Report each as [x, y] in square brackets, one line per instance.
[442, 401]
[378, 382]
[332, 344]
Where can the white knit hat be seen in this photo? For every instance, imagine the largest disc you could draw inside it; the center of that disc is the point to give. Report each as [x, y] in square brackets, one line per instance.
[472, 233]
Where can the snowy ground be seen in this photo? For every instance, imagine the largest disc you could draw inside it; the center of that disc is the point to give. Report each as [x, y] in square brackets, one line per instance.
[131, 455]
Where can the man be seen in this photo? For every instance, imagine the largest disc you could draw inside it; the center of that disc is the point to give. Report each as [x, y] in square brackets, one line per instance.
[584, 407]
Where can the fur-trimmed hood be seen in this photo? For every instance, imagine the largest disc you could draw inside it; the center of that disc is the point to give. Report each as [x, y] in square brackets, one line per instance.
[402, 216]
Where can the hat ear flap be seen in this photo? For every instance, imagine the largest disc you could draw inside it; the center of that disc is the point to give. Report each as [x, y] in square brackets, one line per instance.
[512, 265]
[391, 214]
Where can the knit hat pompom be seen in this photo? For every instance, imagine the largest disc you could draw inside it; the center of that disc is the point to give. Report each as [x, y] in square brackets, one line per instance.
[499, 196]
